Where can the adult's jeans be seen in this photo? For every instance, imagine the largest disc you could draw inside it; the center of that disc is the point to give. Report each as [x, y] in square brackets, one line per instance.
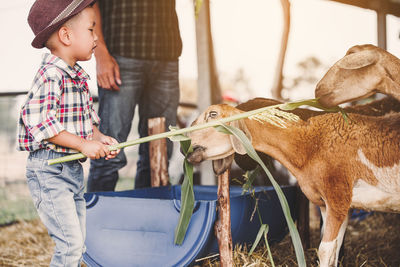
[154, 87]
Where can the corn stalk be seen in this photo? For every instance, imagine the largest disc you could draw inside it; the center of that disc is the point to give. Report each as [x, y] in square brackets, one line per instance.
[270, 113]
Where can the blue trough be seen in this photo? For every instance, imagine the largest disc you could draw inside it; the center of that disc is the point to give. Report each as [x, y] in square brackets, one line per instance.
[136, 228]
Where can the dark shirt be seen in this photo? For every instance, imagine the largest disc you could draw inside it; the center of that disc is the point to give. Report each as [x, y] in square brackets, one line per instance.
[141, 29]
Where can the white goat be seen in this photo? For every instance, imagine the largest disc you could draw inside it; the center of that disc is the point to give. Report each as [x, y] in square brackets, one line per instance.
[338, 165]
[363, 71]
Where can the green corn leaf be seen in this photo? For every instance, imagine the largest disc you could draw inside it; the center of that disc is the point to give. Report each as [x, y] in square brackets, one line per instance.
[268, 248]
[308, 102]
[187, 197]
[250, 176]
[314, 103]
[222, 129]
[258, 238]
[263, 232]
[177, 137]
[186, 146]
[282, 199]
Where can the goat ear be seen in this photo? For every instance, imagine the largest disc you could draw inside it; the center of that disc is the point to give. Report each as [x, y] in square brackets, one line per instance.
[236, 143]
[358, 60]
[391, 87]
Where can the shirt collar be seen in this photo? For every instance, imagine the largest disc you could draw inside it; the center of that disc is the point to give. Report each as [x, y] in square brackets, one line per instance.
[76, 72]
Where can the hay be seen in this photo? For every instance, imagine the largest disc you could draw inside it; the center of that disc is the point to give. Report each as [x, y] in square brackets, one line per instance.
[372, 242]
[25, 244]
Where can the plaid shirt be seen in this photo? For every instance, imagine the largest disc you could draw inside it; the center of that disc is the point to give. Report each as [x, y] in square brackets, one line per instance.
[141, 29]
[58, 100]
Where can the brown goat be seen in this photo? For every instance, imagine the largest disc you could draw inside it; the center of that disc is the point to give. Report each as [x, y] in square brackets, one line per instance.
[339, 165]
[363, 71]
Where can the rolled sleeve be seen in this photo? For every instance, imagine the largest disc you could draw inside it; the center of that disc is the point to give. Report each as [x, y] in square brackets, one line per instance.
[46, 129]
[95, 117]
[40, 112]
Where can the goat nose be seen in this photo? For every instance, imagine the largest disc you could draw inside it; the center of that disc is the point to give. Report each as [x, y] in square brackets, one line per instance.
[197, 147]
[196, 156]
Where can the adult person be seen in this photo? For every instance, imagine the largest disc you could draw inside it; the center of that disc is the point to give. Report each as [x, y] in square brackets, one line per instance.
[137, 55]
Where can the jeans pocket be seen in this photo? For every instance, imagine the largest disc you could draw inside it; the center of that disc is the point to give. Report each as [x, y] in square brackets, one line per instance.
[55, 169]
[34, 187]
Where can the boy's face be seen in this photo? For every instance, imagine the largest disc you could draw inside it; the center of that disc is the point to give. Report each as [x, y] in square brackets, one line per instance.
[83, 38]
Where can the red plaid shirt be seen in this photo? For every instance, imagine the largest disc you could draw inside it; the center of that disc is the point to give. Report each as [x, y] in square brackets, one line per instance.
[58, 100]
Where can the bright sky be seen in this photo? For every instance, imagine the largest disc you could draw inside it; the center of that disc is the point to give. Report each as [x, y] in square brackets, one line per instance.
[246, 35]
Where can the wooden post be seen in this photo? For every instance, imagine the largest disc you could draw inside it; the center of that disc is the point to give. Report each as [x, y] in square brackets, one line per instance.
[303, 221]
[223, 225]
[207, 82]
[158, 153]
[381, 29]
[277, 85]
[209, 91]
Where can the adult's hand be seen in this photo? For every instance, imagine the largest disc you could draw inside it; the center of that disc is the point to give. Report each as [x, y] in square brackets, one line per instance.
[108, 75]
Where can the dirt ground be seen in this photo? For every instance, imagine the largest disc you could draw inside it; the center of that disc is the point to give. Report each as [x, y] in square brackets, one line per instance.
[374, 241]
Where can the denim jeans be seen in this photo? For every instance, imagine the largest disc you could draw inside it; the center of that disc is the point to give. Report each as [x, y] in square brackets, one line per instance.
[154, 87]
[57, 193]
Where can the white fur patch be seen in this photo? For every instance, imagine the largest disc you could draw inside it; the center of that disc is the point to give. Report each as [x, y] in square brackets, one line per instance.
[327, 253]
[368, 197]
[385, 196]
[340, 237]
[388, 177]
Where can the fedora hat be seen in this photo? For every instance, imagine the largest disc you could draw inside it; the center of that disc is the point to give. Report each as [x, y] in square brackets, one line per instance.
[46, 16]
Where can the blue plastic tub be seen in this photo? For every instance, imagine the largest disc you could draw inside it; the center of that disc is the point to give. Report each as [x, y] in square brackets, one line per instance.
[136, 228]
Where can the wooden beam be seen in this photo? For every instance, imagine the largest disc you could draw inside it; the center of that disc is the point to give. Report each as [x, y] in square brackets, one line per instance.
[203, 58]
[208, 85]
[158, 153]
[208, 90]
[277, 86]
[381, 29]
[384, 6]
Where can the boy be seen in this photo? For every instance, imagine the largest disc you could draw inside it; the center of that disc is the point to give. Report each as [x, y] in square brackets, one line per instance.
[58, 118]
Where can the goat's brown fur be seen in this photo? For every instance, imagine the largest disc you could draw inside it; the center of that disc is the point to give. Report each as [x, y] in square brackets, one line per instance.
[322, 152]
[375, 108]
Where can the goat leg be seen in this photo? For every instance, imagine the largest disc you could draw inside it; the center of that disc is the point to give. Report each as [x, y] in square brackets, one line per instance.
[334, 227]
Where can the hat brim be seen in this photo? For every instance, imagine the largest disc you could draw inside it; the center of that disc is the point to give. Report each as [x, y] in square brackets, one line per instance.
[41, 38]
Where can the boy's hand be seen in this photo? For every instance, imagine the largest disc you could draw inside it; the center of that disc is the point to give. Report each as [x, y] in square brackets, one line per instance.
[94, 149]
[105, 140]
[108, 140]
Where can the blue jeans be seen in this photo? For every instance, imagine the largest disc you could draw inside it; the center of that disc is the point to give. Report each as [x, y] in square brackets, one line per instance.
[57, 193]
[154, 87]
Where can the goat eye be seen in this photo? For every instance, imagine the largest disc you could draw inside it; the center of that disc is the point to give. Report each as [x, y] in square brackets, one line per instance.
[212, 114]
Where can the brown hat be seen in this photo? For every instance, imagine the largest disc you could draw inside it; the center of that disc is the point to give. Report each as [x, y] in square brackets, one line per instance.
[46, 16]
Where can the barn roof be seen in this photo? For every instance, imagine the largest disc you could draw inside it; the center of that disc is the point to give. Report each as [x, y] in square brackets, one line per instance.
[391, 7]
